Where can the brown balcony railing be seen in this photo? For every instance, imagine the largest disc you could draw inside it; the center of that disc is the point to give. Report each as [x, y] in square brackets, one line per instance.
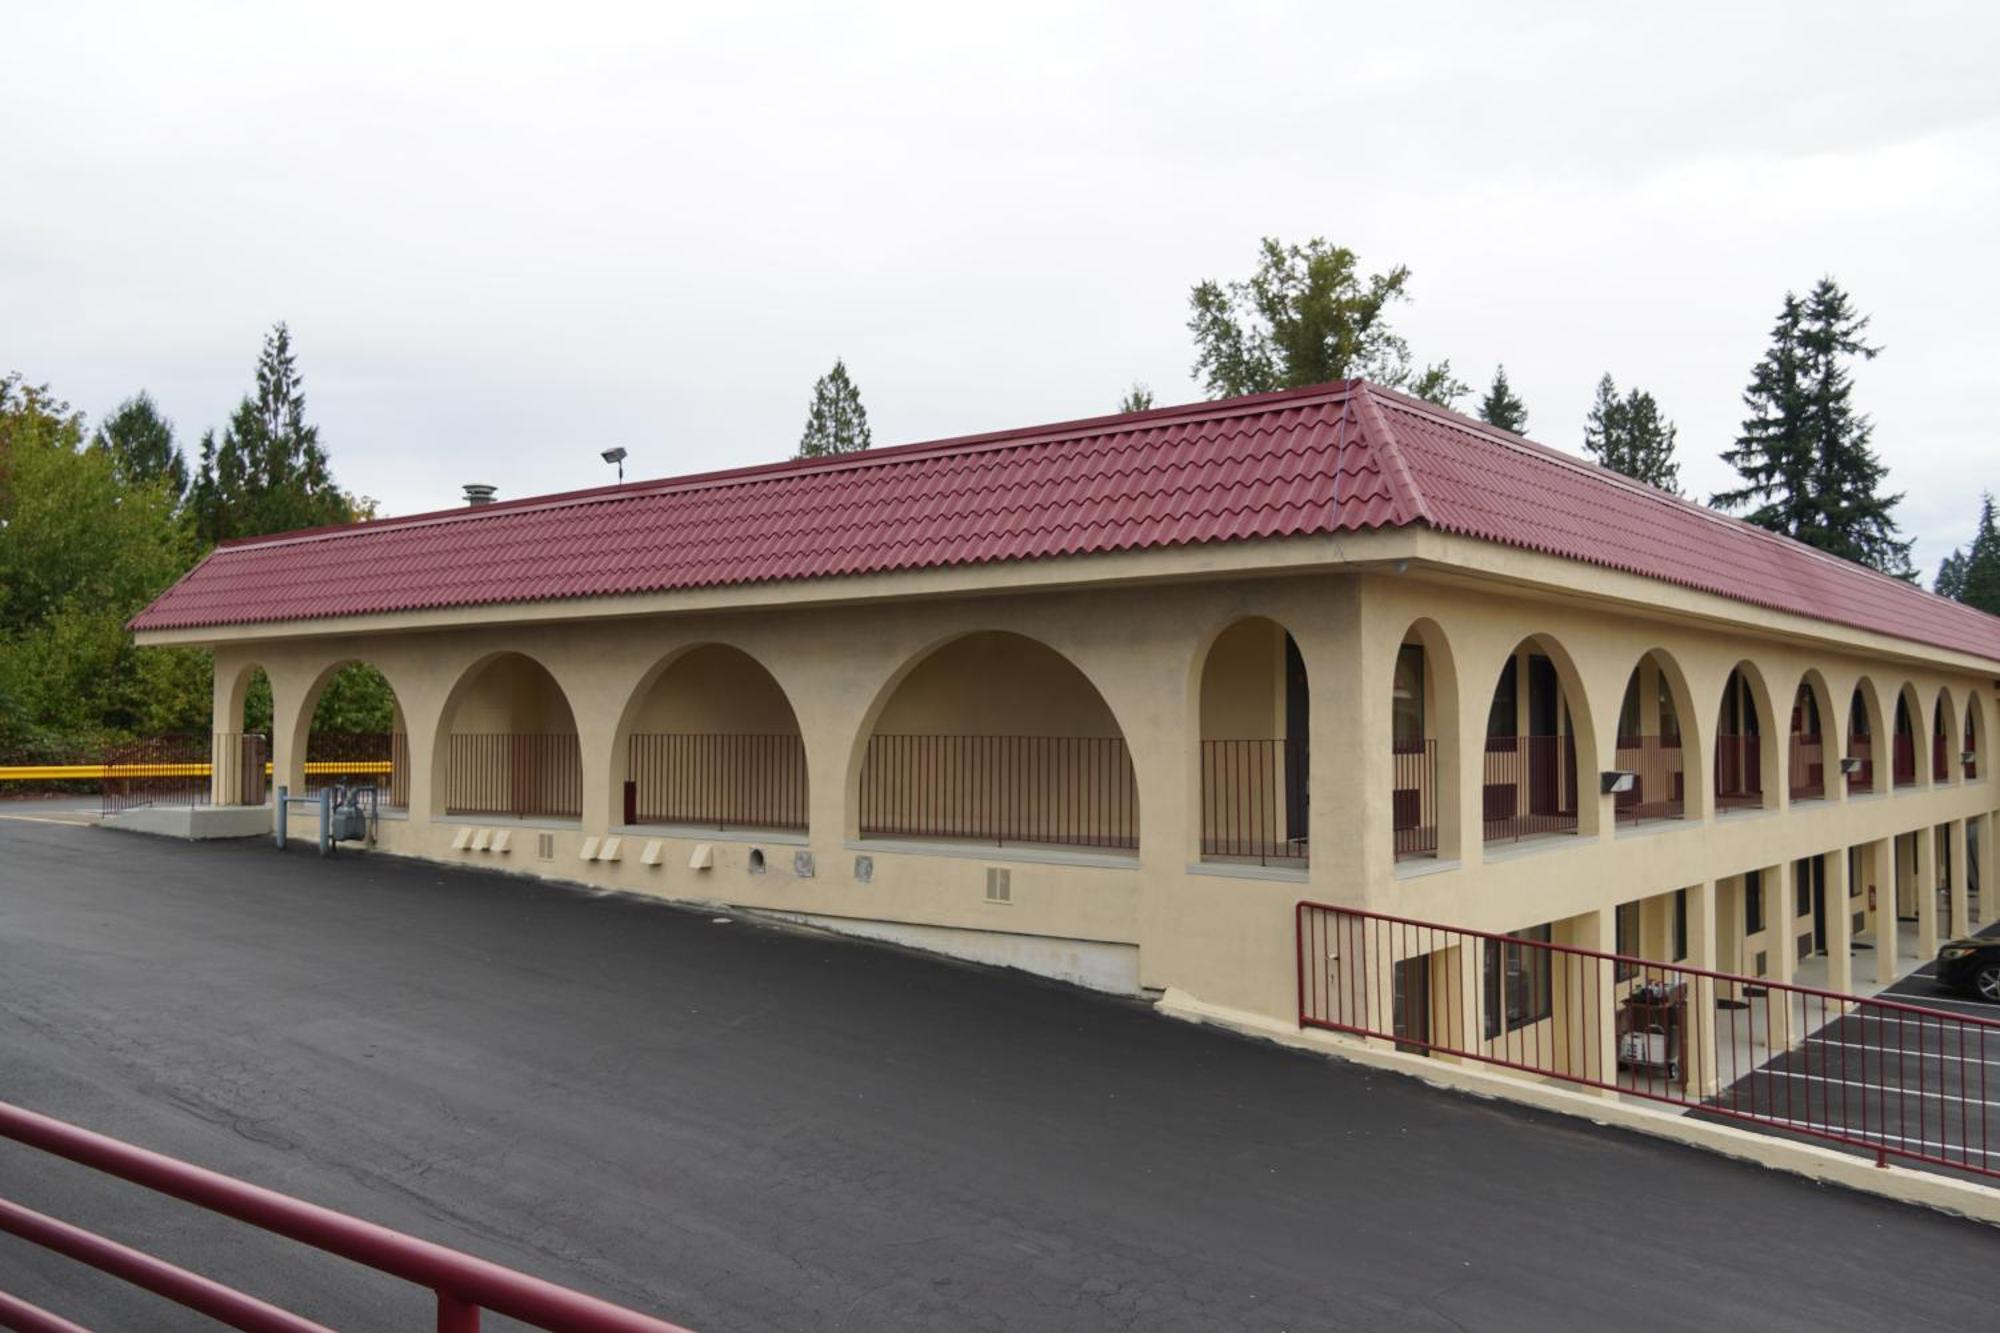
[1530, 786]
[1739, 772]
[1807, 766]
[1659, 787]
[1074, 791]
[1862, 779]
[718, 781]
[504, 773]
[1414, 798]
[1253, 801]
[360, 758]
[1905, 760]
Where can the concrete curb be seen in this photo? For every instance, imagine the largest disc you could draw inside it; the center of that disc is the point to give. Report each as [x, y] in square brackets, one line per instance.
[1905, 1185]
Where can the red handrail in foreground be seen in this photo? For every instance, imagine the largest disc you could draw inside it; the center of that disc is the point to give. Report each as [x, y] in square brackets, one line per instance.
[462, 1284]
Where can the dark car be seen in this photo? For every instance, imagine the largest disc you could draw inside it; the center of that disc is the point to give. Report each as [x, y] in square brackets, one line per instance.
[1972, 966]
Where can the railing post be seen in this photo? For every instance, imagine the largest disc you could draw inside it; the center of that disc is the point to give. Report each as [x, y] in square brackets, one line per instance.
[455, 1314]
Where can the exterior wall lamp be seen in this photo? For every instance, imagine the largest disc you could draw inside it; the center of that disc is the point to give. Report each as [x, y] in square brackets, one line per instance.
[1850, 766]
[1968, 757]
[1616, 781]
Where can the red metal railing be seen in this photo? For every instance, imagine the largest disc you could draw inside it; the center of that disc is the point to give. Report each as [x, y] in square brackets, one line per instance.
[1530, 786]
[1905, 759]
[1807, 766]
[1862, 779]
[1413, 798]
[360, 758]
[1659, 787]
[463, 1285]
[1891, 1079]
[180, 770]
[1063, 790]
[1739, 772]
[1253, 801]
[716, 780]
[507, 774]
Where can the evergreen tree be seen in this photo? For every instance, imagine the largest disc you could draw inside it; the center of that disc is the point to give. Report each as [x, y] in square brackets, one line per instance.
[1307, 316]
[1630, 435]
[1140, 399]
[268, 472]
[1804, 456]
[1972, 575]
[1501, 408]
[836, 423]
[141, 444]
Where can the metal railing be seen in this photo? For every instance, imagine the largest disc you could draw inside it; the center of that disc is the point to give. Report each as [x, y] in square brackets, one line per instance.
[360, 758]
[1905, 764]
[504, 773]
[463, 1285]
[1253, 801]
[1074, 791]
[1806, 767]
[1530, 786]
[180, 771]
[716, 780]
[1659, 787]
[1413, 798]
[1739, 772]
[1890, 1079]
[1862, 779]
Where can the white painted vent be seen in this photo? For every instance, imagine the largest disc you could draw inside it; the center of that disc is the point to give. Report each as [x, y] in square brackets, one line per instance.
[999, 885]
[545, 846]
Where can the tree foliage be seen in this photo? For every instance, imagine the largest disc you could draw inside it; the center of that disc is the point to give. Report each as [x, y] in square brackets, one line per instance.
[1502, 407]
[1805, 458]
[268, 472]
[1138, 399]
[141, 444]
[1307, 316]
[836, 422]
[1630, 435]
[1971, 574]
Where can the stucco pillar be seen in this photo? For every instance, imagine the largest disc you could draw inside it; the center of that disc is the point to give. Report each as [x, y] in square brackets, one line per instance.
[1839, 925]
[1883, 860]
[1594, 1004]
[1351, 674]
[1926, 882]
[1780, 890]
[1952, 872]
[1701, 1058]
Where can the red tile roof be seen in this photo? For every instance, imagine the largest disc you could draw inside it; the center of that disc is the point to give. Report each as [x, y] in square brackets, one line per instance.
[1338, 457]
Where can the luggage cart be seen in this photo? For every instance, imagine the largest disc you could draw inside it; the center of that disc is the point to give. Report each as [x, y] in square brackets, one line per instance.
[1650, 1028]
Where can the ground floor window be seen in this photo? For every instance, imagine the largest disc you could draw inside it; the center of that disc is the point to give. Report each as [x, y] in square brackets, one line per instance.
[1517, 981]
[1680, 924]
[1753, 902]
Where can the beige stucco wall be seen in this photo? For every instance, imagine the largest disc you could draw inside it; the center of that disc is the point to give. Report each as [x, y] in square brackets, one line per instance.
[1133, 658]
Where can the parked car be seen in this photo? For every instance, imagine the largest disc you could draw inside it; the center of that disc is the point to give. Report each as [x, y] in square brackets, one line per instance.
[1972, 966]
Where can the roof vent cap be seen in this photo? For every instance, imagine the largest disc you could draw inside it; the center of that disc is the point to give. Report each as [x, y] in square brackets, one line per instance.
[479, 493]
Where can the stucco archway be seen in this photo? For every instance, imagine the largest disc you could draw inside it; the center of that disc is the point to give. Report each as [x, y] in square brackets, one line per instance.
[507, 744]
[1540, 748]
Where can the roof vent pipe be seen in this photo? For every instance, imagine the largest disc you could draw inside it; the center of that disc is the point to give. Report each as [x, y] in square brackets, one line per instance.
[479, 493]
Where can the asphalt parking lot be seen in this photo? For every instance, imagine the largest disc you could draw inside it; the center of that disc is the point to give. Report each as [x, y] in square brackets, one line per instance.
[741, 1128]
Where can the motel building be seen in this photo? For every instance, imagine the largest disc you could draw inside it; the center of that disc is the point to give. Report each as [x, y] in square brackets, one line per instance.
[1110, 700]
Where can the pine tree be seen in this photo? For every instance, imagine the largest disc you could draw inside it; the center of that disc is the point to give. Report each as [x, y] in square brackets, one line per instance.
[1140, 399]
[1804, 456]
[1630, 435]
[1501, 408]
[268, 472]
[836, 423]
[1972, 575]
[141, 444]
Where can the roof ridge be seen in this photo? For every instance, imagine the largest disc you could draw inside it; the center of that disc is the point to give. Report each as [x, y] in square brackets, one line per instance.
[1396, 468]
[954, 446]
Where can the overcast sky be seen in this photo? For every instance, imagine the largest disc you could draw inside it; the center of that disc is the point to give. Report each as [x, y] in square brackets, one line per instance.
[507, 239]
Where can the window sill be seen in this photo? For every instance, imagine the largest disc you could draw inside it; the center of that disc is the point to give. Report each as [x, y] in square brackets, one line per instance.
[1247, 870]
[1536, 846]
[695, 833]
[978, 851]
[510, 821]
[1419, 867]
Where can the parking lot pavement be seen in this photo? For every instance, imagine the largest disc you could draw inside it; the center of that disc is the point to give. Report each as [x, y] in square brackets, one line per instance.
[742, 1127]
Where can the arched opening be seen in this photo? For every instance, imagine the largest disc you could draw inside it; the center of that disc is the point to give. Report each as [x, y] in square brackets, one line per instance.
[1255, 757]
[354, 736]
[1859, 764]
[711, 742]
[1423, 744]
[1806, 764]
[1651, 762]
[1945, 739]
[1907, 709]
[995, 738]
[1530, 777]
[240, 750]
[1740, 744]
[1975, 735]
[510, 743]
